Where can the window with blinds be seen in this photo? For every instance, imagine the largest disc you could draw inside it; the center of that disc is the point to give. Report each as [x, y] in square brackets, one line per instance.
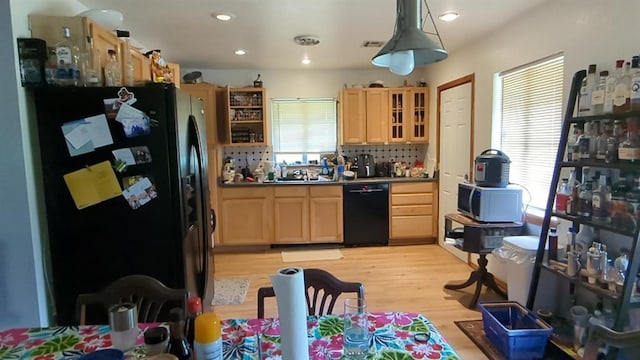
[530, 123]
[301, 126]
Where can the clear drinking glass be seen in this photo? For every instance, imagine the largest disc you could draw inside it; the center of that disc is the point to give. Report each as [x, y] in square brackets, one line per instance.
[356, 328]
[123, 322]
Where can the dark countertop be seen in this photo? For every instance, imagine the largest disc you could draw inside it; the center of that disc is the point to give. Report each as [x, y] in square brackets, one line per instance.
[329, 182]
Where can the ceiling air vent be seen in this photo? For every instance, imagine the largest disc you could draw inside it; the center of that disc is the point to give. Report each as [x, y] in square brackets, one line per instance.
[306, 40]
[372, 43]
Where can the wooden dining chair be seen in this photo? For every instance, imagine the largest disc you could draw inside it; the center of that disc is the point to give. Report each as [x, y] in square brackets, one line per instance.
[322, 291]
[153, 299]
[600, 335]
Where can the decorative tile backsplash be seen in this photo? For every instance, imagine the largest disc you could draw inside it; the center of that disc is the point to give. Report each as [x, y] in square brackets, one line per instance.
[381, 153]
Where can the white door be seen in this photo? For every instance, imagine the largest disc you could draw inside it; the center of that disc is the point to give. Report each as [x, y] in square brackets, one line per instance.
[455, 150]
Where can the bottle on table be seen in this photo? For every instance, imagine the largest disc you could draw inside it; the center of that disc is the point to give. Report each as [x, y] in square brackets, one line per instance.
[598, 94]
[194, 309]
[635, 83]
[67, 59]
[178, 344]
[207, 344]
[584, 102]
[112, 72]
[621, 100]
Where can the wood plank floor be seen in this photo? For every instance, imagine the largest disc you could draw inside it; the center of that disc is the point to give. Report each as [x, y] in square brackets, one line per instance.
[396, 278]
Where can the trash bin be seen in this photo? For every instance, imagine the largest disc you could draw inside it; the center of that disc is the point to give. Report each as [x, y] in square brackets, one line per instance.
[519, 253]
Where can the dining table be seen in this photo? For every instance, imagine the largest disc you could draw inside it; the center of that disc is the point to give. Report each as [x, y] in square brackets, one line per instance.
[394, 336]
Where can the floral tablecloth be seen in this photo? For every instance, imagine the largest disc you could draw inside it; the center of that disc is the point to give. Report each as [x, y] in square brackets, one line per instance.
[393, 338]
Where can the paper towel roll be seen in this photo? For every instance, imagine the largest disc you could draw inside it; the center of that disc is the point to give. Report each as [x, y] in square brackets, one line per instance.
[288, 284]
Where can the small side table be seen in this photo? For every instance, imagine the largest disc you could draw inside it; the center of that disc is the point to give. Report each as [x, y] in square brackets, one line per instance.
[480, 276]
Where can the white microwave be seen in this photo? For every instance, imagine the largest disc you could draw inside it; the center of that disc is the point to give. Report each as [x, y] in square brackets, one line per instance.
[490, 204]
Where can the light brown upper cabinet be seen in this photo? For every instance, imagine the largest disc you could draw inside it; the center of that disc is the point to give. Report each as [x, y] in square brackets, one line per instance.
[385, 115]
[207, 93]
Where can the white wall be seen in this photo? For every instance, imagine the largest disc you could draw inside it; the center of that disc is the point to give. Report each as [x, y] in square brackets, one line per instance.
[23, 299]
[304, 83]
[586, 31]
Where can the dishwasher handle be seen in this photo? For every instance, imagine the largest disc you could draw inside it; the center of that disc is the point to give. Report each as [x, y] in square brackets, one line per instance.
[366, 191]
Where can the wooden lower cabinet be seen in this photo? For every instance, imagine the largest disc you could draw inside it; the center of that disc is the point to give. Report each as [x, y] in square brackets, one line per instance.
[413, 207]
[291, 215]
[325, 204]
[246, 216]
[307, 214]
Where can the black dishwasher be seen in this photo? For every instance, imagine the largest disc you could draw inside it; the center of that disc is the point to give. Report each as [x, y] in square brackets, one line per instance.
[366, 214]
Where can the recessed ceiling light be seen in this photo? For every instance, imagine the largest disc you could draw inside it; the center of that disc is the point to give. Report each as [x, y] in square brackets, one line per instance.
[223, 16]
[240, 52]
[306, 61]
[449, 16]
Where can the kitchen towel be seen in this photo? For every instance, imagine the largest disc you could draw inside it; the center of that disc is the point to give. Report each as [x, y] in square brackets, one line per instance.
[288, 284]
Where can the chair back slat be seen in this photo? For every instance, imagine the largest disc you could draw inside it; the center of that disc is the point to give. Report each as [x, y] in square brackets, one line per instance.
[322, 291]
[150, 296]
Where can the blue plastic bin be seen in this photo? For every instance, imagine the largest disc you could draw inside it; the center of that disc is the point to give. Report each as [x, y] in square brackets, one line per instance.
[514, 330]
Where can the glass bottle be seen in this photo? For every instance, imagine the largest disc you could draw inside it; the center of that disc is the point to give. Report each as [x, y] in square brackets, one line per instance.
[601, 140]
[635, 83]
[584, 103]
[562, 195]
[597, 95]
[178, 345]
[584, 139]
[67, 58]
[572, 140]
[609, 93]
[572, 200]
[618, 210]
[600, 200]
[594, 131]
[51, 68]
[621, 101]
[585, 198]
[129, 70]
[629, 149]
[112, 73]
[633, 203]
[90, 65]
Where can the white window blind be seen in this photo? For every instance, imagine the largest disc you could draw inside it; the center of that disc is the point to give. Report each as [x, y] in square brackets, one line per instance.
[531, 120]
[303, 125]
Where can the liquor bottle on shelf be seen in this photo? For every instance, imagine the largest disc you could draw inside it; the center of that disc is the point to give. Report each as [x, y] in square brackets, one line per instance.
[585, 198]
[609, 93]
[128, 68]
[618, 210]
[621, 101]
[584, 140]
[594, 132]
[572, 141]
[562, 195]
[572, 200]
[633, 201]
[112, 73]
[629, 149]
[584, 103]
[600, 200]
[67, 58]
[635, 83]
[584, 238]
[553, 244]
[606, 131]
[90, 68]
[597, 95]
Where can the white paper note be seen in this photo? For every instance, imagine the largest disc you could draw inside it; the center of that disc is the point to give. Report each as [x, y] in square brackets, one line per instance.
[79, 136]
[99, 130]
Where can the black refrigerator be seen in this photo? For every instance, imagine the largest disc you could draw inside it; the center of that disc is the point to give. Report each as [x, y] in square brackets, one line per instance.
[126, 189]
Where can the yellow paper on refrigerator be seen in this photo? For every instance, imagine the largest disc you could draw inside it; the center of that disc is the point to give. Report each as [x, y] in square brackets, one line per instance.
[93, 184]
